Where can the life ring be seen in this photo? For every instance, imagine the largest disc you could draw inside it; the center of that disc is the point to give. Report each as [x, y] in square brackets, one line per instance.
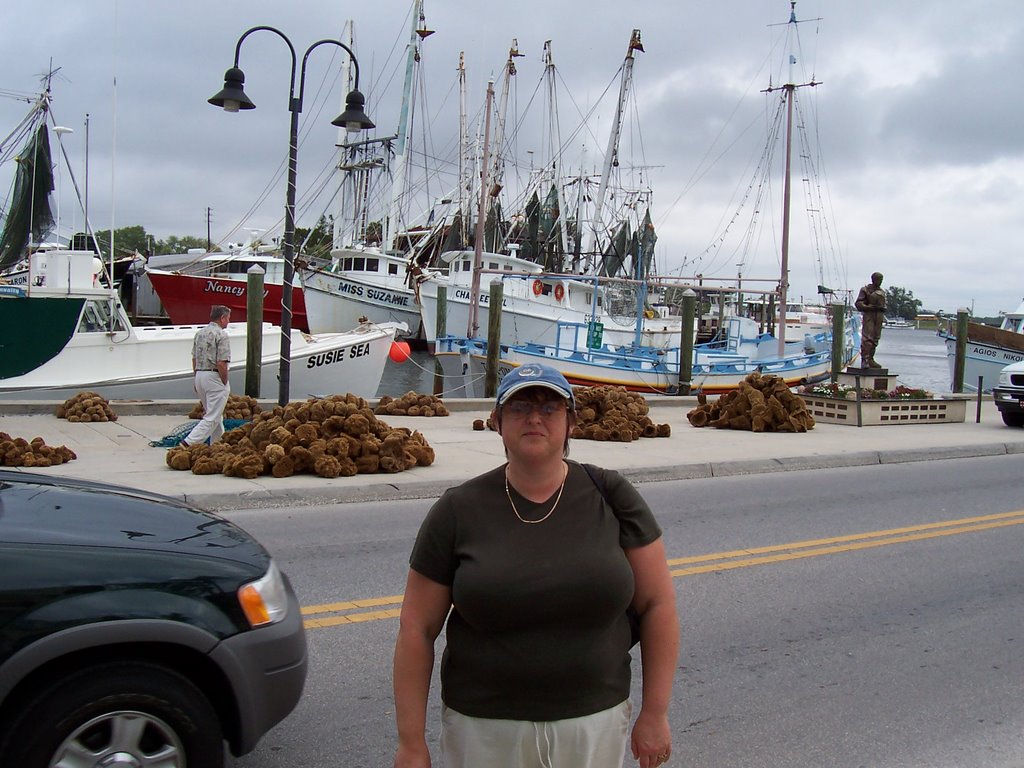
[559, 292]
[538, 287]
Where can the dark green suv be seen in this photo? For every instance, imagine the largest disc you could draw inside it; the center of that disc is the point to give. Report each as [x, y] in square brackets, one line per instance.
[136, 630]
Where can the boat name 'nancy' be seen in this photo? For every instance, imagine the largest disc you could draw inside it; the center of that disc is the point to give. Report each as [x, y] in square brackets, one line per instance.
[338, 355]
[212, 286]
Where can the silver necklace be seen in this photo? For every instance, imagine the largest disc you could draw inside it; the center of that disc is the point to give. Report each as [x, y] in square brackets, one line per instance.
[565, 474]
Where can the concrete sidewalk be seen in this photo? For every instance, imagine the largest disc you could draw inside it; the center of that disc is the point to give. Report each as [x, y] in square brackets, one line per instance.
[119, 452]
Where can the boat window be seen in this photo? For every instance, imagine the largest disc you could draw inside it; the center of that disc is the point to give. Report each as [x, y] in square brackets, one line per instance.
[492, 265]
[359, 264]
[508, 267]
[373, 265]
[392, 269]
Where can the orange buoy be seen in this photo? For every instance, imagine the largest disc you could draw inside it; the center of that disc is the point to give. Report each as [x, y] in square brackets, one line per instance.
[399, 351]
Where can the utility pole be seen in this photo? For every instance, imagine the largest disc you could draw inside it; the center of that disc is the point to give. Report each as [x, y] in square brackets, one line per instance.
[208, 217]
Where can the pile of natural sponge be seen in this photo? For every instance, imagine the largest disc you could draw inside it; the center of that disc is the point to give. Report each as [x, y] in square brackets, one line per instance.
[331, 437]
[759, 404]
[608, 414]
[614, 414]
[411, 404]
[19, 452]
[86, 406]
[238, 407]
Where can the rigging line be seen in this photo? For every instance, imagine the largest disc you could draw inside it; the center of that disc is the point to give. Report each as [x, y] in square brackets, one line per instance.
[758, 181]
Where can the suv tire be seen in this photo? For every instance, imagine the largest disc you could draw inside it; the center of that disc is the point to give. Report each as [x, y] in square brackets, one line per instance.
[136, 709]
[1012, 419]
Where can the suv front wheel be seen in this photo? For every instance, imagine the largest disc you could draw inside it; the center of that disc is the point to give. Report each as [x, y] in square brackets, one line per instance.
[117, 714]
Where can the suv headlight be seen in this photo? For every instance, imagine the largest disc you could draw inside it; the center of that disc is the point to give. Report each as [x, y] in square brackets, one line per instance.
[1004, 378]
[264, 601]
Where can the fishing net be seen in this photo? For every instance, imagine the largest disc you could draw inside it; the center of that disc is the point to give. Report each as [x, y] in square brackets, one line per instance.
[181, 431]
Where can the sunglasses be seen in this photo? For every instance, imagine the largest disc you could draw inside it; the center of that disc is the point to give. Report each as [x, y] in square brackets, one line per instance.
[520, 409]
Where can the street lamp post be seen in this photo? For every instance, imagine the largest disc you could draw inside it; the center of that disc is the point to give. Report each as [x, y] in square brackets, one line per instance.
[232, 98]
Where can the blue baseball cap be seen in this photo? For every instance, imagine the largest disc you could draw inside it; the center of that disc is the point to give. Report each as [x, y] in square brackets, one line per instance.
[534, 375]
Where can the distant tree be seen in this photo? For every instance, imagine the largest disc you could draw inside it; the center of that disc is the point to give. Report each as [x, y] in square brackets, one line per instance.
[126, 240]
[179, 244]
[900, 302]
[318, 241]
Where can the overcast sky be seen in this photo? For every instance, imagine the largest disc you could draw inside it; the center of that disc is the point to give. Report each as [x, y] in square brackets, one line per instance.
[917, 120]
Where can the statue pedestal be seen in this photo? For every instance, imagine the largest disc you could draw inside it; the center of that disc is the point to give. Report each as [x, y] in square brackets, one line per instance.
[870, 378]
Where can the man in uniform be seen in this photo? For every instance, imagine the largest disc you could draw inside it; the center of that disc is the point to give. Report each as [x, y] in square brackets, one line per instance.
[871, 304]
[211, 354]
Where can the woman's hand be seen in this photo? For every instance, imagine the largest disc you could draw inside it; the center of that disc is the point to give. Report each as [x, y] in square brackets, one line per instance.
[652, 740]
[412, 757]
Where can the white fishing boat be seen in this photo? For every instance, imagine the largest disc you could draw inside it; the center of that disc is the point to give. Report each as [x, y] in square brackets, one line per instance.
[535, 303]
[374, 273]
[987, 349]
[65, 334]
[548, 276]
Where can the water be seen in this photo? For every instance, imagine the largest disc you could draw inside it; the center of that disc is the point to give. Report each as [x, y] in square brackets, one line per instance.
[416, 374]
[918, 357]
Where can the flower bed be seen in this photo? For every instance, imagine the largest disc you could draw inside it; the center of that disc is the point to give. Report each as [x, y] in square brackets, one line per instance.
[837, 404]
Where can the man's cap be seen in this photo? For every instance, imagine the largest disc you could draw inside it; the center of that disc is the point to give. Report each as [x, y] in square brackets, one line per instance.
[534, 375]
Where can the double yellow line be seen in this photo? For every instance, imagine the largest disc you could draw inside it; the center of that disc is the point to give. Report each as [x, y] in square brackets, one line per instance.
[744, 558]
[374, 609]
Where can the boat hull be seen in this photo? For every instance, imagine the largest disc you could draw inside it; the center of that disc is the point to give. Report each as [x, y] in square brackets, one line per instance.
[464, 364]
[982, 360]
[534, 315]
[336, 301]
[187, 299]
[154, 363]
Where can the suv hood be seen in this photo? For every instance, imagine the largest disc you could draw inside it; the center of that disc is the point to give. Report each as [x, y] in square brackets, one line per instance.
[37, 509]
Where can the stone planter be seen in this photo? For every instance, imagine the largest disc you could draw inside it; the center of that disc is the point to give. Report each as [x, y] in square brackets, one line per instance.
[832, 410]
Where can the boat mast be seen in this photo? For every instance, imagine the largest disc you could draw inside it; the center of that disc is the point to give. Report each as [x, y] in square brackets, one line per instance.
[555, 152]
[478, 244]
[611, 158]
[465, 180]
[789, 90]
[416, 36]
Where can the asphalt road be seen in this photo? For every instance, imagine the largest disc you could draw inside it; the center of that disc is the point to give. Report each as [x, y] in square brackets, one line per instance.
[869, 616]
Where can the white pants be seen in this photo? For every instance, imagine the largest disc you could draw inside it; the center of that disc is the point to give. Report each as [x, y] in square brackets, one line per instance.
[213, 394]
[593, 741]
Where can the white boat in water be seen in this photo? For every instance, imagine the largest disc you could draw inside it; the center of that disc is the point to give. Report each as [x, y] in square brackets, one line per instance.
[987, 349]
[64, 334]
[536, 303]
[359, 283]
[373, 271]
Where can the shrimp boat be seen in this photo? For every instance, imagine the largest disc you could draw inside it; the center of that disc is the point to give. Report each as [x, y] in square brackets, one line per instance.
[186, 291]
[987, 349]
[538, 255]
[373, 273]
[585, 356]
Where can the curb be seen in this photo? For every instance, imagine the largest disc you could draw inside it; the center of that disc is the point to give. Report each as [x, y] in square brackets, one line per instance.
[697, 471]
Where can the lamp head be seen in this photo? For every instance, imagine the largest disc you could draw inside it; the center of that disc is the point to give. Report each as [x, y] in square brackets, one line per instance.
[353, 119]
[232, 97]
